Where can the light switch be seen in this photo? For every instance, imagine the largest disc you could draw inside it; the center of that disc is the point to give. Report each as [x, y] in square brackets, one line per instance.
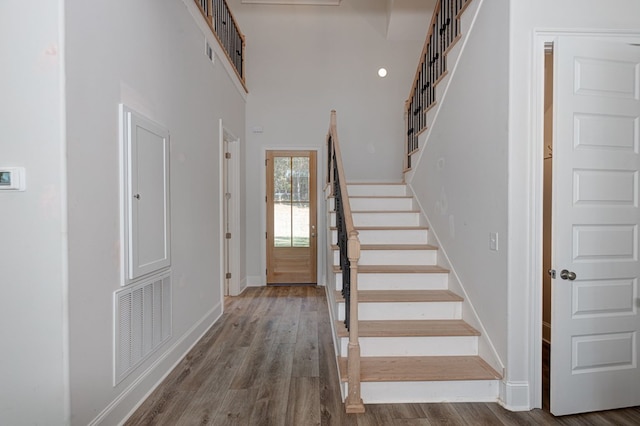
[493, 241]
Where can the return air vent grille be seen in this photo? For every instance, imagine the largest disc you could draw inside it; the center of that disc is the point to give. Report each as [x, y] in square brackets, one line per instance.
[142, 315]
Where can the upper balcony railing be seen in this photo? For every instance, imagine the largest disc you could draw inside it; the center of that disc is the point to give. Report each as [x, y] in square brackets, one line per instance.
[444, 31]
[226, 29]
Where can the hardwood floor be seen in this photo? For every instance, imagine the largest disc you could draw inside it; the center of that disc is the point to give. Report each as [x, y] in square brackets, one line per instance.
[270, 361]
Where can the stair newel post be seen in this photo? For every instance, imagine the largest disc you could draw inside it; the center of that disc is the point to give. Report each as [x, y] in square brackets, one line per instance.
[354, 402]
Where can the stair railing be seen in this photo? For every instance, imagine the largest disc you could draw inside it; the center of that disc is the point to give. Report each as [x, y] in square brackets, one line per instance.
[444, 30]
[225, 28]
[349, 246]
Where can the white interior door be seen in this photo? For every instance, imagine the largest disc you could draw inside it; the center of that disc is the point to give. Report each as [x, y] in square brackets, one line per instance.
[595, 322]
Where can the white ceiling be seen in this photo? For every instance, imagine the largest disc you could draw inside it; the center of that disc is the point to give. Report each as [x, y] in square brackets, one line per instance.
[310, 2]
[406, 20]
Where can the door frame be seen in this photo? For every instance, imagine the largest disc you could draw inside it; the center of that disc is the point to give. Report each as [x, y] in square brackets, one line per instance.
[320, 210]
[534, 189]
[233, 144]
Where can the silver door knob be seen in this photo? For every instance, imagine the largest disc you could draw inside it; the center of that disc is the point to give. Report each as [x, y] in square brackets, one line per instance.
[567, 275]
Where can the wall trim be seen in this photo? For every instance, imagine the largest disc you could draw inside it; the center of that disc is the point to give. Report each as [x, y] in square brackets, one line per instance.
[255, 281]
[121, 408]
[514, 396]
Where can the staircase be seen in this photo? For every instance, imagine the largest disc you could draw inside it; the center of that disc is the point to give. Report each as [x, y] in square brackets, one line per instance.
[415, 346]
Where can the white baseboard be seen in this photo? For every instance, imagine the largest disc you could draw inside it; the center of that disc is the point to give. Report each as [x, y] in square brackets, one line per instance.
[243, 285]
[514, 396]
[125, 404]
[255, 281]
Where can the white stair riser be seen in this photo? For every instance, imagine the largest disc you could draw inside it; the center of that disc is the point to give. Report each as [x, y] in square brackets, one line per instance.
[405, 311]
[377, 190]
[378, 204]
[435, 281]
[392, 257]
[423, 392]
[414, 346]
[384, 236]
[382, 219]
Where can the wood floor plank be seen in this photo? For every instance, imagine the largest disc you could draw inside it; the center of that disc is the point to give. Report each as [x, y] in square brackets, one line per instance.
[272, 402]
[210, 385]
[305, 357]
[236, 408]
[304, 401]
[479, 412]
[442, 414]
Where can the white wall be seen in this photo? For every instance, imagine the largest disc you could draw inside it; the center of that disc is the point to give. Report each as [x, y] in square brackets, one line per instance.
[303, 61]
[461, 179]
[525, 164]
[33, 385]
[148, 54]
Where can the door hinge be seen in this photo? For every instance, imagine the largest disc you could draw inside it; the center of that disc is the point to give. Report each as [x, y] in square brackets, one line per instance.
[266, 272]
[265, 162]
[228, 275]
[265, 198]
[266, 235]
[552, 273]
[227, 155]
[227, 195]
[228, 236]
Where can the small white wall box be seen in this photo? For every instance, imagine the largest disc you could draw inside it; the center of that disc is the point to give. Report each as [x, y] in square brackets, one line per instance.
[12, 178]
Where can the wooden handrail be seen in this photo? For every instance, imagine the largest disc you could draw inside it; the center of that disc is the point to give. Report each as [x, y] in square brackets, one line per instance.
[232, 48]
[349, 257]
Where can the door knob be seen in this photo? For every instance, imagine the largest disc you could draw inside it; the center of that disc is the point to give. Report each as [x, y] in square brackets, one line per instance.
[567, 275]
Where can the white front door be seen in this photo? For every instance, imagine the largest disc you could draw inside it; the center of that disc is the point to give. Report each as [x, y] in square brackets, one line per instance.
[595, 320]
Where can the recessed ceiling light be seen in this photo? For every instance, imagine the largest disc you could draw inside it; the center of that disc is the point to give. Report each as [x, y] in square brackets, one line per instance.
[382, 72]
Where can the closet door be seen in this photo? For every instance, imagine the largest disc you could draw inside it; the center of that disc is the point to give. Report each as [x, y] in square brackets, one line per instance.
[146, 196]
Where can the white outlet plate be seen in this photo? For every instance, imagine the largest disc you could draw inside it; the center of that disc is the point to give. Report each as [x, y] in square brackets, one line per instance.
[12, 179]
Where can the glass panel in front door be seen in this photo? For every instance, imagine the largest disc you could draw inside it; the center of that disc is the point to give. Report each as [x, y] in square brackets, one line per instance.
[291, 201]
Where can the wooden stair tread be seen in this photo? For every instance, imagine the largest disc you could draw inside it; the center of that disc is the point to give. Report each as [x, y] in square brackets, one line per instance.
[380, 196]
[386, 228]
[390, 228]
[378, 296]
[375, 183]
[398, 269]
[385, 211]
[410, 328]
[392, 247]
[418, 369]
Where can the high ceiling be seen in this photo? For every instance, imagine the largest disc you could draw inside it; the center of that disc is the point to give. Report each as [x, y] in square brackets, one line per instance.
[406, 19]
